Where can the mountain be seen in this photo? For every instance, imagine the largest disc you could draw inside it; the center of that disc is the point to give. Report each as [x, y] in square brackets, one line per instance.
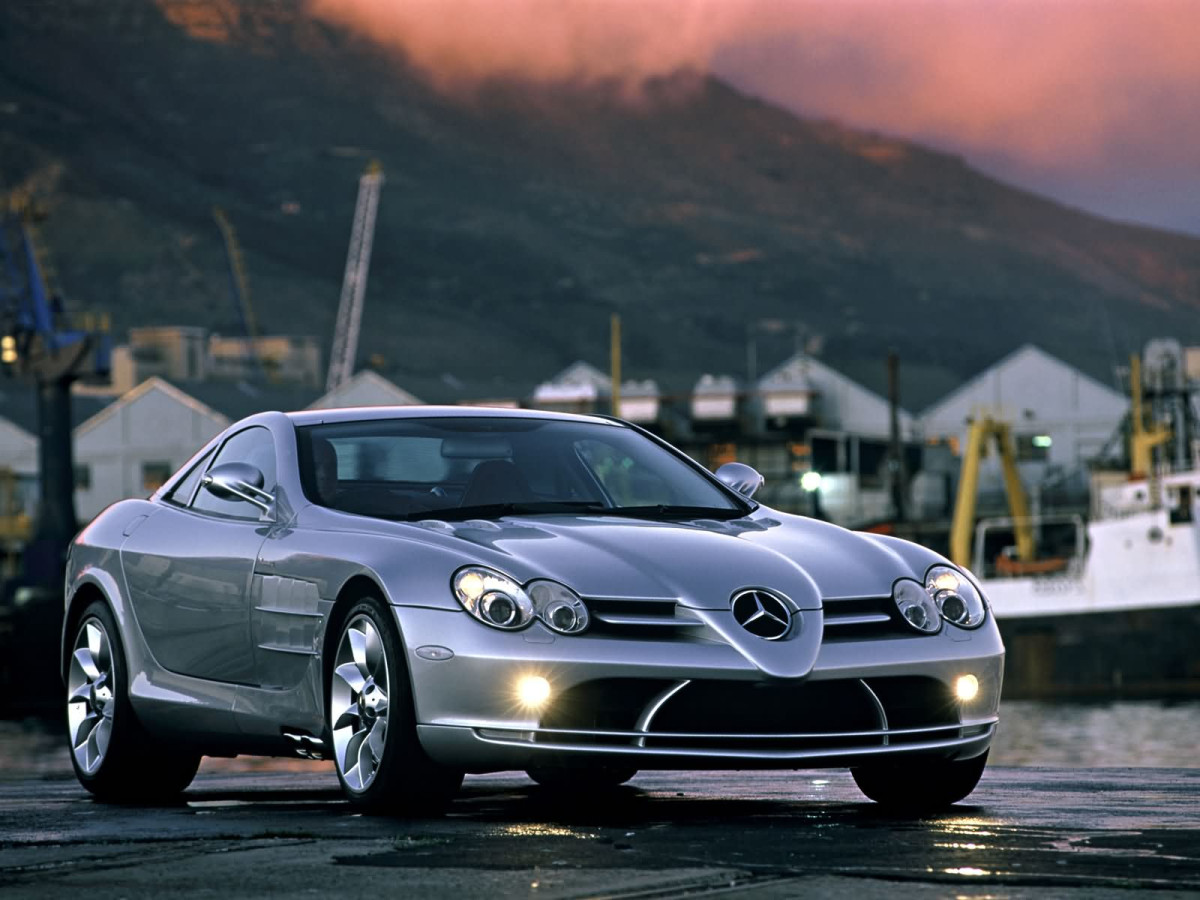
[516, 219]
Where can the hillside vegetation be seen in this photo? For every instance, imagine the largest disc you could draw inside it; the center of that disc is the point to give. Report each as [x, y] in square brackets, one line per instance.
[514, 221]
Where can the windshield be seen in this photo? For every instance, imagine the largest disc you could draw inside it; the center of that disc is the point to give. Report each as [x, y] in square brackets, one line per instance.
[446, 468]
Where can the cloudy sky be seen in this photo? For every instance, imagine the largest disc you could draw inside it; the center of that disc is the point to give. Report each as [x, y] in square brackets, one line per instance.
[1093, 102]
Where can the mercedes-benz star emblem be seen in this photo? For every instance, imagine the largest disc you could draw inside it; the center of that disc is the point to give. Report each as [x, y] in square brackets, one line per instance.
[762, 614]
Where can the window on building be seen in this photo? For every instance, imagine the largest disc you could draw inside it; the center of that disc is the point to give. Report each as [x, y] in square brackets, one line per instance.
[83, 477]
[1179, 503]
[155, 474]
[1033, 447]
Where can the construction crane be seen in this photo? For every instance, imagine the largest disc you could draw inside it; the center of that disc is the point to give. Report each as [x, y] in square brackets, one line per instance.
[39, 341]
[354, 282]
[239, 286]
[983, 429]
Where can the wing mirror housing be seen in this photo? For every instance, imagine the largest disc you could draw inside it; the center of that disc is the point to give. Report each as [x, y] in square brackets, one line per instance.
[744, 479]
[238, 481]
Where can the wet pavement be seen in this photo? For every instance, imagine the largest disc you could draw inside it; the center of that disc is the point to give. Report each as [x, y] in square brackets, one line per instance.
[1025, 832]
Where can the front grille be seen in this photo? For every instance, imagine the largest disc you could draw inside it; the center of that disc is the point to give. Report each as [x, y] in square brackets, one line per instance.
[634, 617]
[606, 704]
[750, 720]
[766, 708]
[914, 701]
[855, 618]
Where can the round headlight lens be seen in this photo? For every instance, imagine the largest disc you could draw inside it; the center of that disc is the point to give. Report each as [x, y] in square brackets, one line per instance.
[916, 606]
[498, 609]
[956, 597]
[492, 598]
[559, 607]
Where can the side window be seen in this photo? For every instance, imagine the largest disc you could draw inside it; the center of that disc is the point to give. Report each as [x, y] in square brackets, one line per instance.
[181, 494]
[254, 446]
[626, 481]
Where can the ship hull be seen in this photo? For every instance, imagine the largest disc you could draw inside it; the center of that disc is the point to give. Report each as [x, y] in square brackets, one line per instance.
[1148, 653]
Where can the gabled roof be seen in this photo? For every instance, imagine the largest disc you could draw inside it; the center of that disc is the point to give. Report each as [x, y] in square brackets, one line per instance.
[791, 375]
[150, 385]
[801, 371]
[579, 380]
[19, 405]
[715, 384]
[365, 388]
[240, 399]
[1025, 355]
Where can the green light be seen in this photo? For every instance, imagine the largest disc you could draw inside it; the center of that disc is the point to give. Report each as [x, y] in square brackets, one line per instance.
[1042, 440]
[810, 481]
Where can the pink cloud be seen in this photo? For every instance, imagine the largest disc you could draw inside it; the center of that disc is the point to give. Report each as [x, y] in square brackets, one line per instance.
[1053, 88]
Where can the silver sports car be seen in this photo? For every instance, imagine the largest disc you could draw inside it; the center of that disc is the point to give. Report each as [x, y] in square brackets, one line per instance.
[418, 593]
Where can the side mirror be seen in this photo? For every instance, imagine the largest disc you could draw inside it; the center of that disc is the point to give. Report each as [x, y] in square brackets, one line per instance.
[742, 478]
[238, 481]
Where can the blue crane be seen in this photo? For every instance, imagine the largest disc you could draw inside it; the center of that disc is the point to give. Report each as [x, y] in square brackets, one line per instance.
[40, 342]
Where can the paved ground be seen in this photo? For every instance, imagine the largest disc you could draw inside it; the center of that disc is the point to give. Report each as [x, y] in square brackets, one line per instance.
[1086, 833]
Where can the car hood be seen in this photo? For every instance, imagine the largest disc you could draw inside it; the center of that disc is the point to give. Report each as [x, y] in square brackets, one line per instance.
[699, 563]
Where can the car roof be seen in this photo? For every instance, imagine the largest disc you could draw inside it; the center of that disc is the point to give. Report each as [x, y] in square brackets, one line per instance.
[372, 413]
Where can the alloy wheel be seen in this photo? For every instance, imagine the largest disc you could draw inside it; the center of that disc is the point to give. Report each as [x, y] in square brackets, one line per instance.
[91, 701]
[359, 703]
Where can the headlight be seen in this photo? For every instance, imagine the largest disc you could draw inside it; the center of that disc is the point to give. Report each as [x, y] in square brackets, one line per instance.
[917, 606]
[497, 600]
[559, 607]
[956, 597]
[492, 598]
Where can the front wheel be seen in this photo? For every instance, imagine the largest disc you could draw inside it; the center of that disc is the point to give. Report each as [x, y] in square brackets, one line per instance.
[379, 760]
[920, 785]
[113, 756]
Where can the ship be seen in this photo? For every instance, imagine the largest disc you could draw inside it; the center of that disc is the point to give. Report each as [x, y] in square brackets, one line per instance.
[1107, 605]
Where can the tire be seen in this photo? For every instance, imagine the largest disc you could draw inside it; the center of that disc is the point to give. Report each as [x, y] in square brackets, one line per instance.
[582, 778]
[113, 755]
[372, 721]
[920, 785]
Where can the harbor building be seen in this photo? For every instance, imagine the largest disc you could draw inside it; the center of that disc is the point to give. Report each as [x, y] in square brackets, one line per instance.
[1061, 419]
[131, 447]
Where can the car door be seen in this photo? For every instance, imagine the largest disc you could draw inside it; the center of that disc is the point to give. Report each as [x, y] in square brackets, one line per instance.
[189, 570]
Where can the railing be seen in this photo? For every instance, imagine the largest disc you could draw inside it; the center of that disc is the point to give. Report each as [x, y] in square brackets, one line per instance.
[1073, 564]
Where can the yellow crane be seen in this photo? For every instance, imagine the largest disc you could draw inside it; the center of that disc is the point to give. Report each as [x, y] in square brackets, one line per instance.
[1142, 440]
[982, 430]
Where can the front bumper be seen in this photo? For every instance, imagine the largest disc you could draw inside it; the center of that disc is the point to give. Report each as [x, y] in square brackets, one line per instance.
[692, 702]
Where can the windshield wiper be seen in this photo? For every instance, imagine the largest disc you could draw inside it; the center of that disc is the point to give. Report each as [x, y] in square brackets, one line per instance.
[587, 507]
[667, 511]
[498, 510]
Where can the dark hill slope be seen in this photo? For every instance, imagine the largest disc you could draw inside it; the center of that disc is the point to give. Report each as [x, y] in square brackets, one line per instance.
[515, 221]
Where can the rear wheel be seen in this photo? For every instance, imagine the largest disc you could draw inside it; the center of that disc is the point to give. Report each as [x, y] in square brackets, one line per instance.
[581, 778]
[920, 785]
[112, 754]
[379, 760]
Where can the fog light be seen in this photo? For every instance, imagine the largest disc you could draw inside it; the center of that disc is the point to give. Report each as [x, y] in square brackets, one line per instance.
[965, 688]
[533, 690]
